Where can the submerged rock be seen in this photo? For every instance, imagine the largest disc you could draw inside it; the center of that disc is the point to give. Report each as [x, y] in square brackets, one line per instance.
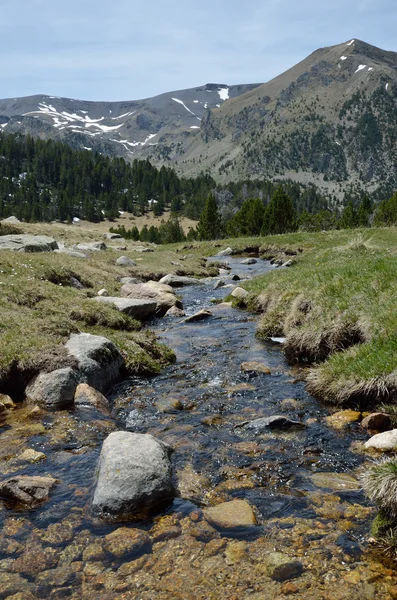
[179, 280]
[125, 261]
[385, 441]
[23, 489]
[281, 567]
[377, 422]
[255, 368]
[273, 422]
[228, 515]
[125, 542]
[54, 390]
[137, 309]
[99, 360]
[32, 456]
[28, 243]
[135, 475]
[199, 316]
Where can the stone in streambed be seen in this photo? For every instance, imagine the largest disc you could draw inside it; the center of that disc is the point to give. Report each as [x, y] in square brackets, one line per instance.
[135, 475]
[281, 567]
[226, 252]
[199, 316]
[240, 293]
[126, 542]
[343, 418]
[255, 368]
[32, 456]
[162, 294]
[273, 422]
[174, 311]
[179, 280]
[335, 481]
[229, 515]
[248, 261]
[385, 441]
[23, 489]
[54, 390]
[377, 422]
[85, 395]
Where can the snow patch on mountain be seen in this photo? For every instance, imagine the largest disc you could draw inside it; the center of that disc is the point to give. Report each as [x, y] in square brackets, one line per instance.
[223, 93]
[184, 105]
[350, 43]
[360, 68]
[343, 57]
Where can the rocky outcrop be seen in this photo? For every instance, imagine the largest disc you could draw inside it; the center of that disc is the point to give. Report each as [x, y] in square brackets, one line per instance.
[137, 309]
[179, 280]
[99, 360]
[26, 490]
[152, 290]
[28, 243]
[54, 390]
[134, 475]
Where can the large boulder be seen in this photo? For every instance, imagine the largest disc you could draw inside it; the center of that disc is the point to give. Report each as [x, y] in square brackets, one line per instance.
[54, 390]
[28, 243]
[179, 280]
[11, 220]
[152, 290]
[71, 252]
[134, 475]
[99, 360]
[137, 309]
[386, 441]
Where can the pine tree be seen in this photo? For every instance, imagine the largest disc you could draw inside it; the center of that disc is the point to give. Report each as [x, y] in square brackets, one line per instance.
[209, 225]
[280, 214]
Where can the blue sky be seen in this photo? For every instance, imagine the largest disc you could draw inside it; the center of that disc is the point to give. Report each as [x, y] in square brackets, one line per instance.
[125, 50]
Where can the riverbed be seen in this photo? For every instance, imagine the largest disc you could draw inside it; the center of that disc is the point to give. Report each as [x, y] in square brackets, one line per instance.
[302, 483]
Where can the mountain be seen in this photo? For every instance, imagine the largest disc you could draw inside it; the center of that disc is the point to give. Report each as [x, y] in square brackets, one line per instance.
[329, 120]
[128, 129]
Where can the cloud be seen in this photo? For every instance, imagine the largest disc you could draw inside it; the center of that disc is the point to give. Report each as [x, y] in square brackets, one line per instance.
[129, 49]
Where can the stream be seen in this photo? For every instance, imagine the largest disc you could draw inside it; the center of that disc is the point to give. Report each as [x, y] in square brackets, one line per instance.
[302, 483]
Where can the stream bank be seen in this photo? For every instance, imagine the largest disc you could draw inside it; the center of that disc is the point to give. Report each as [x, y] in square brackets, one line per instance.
[312, 519]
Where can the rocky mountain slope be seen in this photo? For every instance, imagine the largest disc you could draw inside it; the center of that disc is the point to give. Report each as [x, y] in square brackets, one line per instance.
[331, 120]
[129, 129]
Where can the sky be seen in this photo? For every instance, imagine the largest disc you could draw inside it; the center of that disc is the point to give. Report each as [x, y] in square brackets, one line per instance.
[128, 50]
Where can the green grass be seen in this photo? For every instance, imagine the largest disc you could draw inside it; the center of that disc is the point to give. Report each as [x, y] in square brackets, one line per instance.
[337, 307]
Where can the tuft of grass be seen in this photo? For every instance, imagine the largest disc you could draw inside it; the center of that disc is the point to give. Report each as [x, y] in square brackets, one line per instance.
[380, 485]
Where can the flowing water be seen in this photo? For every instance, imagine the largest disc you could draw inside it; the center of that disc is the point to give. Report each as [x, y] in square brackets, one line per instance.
[302, 483]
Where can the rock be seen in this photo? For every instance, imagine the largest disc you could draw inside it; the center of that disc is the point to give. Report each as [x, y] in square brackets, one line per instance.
[152, 290]
[385, 441]
[254, 368]
[12, 221]
[54, 390]
[71, 252]
[281, 567]
[199, 316]
[335, 481]
[13, 583]
[273, 422]
[138, 309]
[6, 402]
[223, 271]
[179, 280]
[32, 456]
[377, 422]
[113, 236]
[249, 261]
[135, 475]
[28, 243]
[124, 280]
[103, 292]
[289, 263]
[225, 252]
[125, 261]
[219, 284]
[228, 515]
[341, 419]
[91, 247]
[99, 360]
[76, 284]
[125, 542]
[235, 278]
[85, 395]
[27, 490]
[240, 293]
[142, 249]
[174, 311]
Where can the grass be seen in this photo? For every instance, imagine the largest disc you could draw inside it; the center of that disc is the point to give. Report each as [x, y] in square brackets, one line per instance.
[337, 308]
[40, 308]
